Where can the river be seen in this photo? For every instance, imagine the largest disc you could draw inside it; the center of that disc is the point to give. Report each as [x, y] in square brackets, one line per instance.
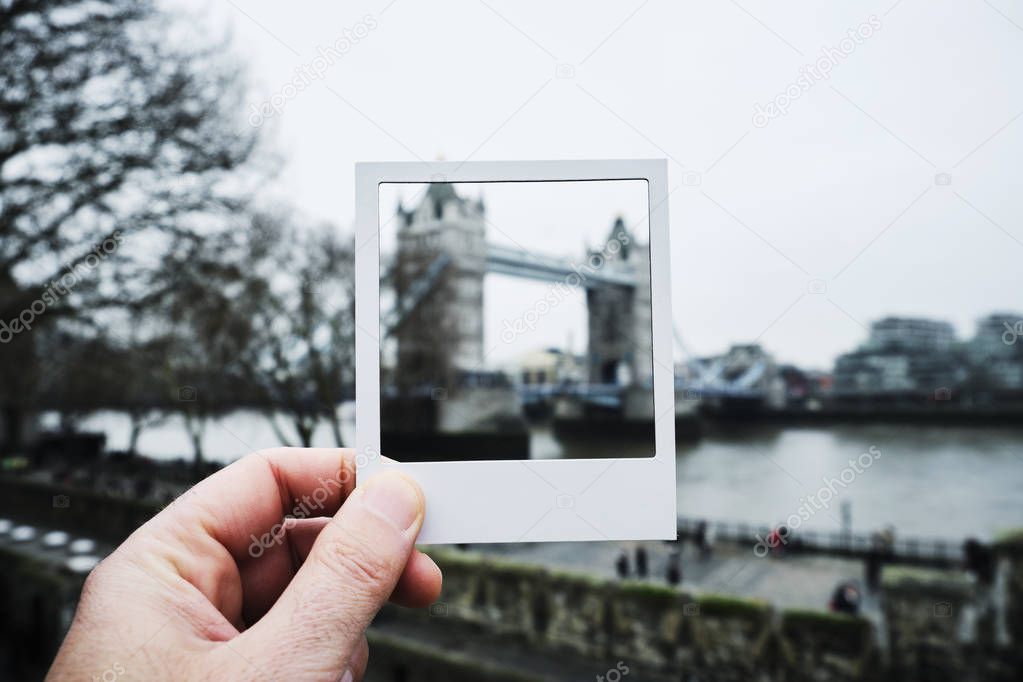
[939, 482]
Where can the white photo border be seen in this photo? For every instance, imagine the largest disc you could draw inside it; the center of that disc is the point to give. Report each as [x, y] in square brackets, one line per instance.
[524, 500]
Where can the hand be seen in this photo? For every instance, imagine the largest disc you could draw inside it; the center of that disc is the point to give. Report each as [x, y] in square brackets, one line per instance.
[219, 586]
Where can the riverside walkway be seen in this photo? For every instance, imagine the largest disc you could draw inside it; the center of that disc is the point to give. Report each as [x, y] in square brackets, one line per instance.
[788, 581]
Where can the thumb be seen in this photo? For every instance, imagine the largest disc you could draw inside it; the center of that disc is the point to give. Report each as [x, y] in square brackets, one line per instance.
[319, 619]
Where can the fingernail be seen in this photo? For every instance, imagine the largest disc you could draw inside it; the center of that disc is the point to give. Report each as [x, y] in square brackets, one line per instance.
[395, 498]
[347, 676]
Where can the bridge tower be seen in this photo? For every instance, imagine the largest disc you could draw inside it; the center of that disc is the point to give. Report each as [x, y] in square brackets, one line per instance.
[443, 238]
[619, 317]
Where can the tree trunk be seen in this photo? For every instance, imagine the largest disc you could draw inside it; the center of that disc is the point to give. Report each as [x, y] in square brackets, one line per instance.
[335, 427]
[194, 425]
[133, 438]
[198, 457]
[277, 430]
[305, 431]
[68, 422]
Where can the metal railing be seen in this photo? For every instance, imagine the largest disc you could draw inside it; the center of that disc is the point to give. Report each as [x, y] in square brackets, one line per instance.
[892, 550]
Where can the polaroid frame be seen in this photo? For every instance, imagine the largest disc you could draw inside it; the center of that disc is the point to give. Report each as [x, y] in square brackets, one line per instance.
[523, 500]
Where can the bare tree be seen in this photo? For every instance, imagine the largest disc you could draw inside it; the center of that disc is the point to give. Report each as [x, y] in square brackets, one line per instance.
[78, 380]
[135, 369]
[304, 355]
[114, 143]
[202, 308]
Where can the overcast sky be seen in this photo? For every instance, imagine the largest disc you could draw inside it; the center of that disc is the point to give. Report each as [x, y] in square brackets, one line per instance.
[841, 188]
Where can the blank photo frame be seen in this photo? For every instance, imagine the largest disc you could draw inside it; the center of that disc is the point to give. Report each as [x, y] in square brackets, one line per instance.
[524, 500]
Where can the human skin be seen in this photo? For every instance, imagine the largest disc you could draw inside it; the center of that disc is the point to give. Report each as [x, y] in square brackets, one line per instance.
[215, 587]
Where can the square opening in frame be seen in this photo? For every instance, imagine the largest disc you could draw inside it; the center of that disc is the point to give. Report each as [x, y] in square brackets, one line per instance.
[515, 320]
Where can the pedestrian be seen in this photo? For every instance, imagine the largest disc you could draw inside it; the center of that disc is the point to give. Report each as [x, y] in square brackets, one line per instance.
[846, 599]
[777, 539]
[702, 541]
[622, 564]
[641, 562]
[873, 569]
[674, 572]
[979, 560]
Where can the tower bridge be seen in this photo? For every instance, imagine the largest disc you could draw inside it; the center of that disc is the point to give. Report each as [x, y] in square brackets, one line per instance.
[441, 258]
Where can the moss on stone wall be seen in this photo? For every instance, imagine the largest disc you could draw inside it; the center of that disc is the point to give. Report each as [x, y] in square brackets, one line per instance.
[733, 607]
[648, 592]
[575, 578]
[840, 625]
[445, 557]
[931, 581]
[1010, 542]
[513, 569]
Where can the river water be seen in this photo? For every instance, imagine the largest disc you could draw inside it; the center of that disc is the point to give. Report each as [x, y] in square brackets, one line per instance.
[937, 482]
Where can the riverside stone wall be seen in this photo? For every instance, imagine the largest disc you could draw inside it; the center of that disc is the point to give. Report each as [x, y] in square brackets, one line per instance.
[37, 600]
[1009, 549]
[650, 626]
[500, 620]
[936, 628]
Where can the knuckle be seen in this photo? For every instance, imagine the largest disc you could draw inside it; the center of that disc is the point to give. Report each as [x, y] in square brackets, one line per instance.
[271, 455]
[99, 597]
[93, 584]
[357, 561]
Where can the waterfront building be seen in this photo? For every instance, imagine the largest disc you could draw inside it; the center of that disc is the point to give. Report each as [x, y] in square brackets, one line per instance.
[996, 353]
[551, 366]
[911, 334]
[903, 358]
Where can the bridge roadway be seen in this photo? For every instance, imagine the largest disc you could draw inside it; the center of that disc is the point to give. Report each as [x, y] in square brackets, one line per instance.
[516, 262]
[506, 260]
[610, 395]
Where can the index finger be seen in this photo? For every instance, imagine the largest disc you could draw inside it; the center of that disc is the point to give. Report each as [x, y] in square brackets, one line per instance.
[227, 534]
[252, 495]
